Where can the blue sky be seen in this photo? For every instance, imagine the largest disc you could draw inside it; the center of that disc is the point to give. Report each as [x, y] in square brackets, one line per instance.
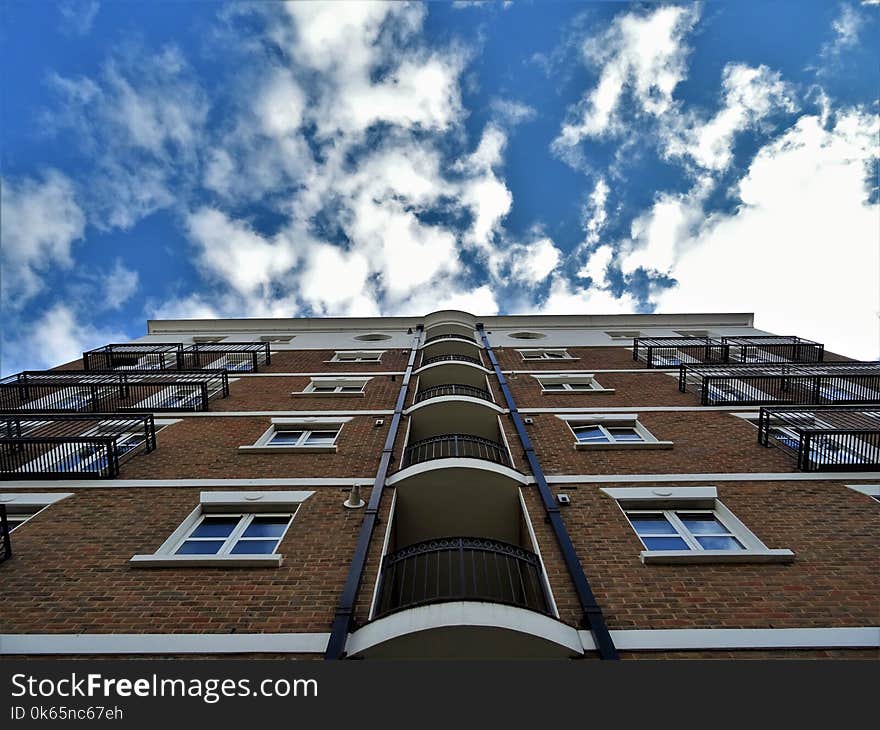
[198, 159]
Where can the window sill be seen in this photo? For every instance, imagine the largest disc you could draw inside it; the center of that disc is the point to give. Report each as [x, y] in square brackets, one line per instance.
[288, 449]
[577, 392]
[352, 362]
[684, 557]
[206, 561]
[551, 359]
[623, 446]
[328, 395]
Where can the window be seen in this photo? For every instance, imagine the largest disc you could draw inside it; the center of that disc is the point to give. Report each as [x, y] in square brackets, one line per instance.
[206, 339]
[276, 338]
[235, 534]
[68, 399]
[870, 490]
[689, 525]
[735, 390]
[178, 396]
[570, 382]
[336, 386]
[527, 335]
[229, 529]
[315, 435]
[560, 354]
[693, 333]
[372, 337]
[608, 431]
[357, 356]
[672, 360]
[623, 334]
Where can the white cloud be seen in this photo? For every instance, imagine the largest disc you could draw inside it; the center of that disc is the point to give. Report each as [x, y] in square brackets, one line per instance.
[512, 112]
[566, 298]
[119, 285]
[40, 222]
[596, 267]
[281, 105]
[641, 55]
[78, 16]
[59, 335]
[749, 95]
[532, 263]
[847, 27]
[801, 250]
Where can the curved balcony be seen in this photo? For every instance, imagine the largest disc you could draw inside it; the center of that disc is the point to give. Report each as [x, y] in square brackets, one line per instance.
[450, 358]
[450, 336]
[456, 446]
[460, 569]
[455, 390]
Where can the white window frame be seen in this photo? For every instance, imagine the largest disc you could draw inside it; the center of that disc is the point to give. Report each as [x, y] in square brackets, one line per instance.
[276, 339]
[694, 333]
[869, 490]
[359, 356]
[542, 354]
[337, 384]
[28, 505]
[237, 533]
[604, 421]
[271, 503]
[207, 339]
[307, 426]
[567, 380]
[618, 335]
[671, 499]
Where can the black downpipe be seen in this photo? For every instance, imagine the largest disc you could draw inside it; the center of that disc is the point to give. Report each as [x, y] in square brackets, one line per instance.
[345, 611]
[592, 612]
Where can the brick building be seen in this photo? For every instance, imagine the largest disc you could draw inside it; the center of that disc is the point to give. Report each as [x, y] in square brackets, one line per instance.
[444, 486]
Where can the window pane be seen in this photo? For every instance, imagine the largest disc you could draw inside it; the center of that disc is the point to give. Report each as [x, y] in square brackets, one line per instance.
[321, 438]
[216, 527]
[351, 388]
[665, 543]
[625, 434]
[702, 524]
[554, 355]
[200, 547]
[254, 547]
[719, 543]
[581, 386]
[554, 386]
[586, 434]
[323, 389]
[651, 524]
[286, 437]
[266, 527]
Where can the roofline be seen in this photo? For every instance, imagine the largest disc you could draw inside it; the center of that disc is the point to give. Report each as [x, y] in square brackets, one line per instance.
[325, 324]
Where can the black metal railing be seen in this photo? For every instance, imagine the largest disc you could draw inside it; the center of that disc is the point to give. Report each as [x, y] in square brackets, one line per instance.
[98, 391]
[50, 445]
[457, 390]
[451, 358]
[236, 356]
[786, 383]
[831, 438]
[772, 348]
[461, 446]
[461, 569]
[450, 336]
[135, 356]
[5, 541]
[670, 352]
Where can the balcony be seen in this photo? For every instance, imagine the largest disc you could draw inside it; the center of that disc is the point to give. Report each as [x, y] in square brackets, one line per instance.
[460, 569]
[235, 356]
[5, 542]
[453, 358]
[98, 391]
[49, 446]
[670, 352]
[453, 390]
[456, 446]
[796, 383]
[449, 336]
[831, 438]
[135, 356]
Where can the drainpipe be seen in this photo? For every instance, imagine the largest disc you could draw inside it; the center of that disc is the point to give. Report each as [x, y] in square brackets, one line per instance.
[592, 613]
[345, 610]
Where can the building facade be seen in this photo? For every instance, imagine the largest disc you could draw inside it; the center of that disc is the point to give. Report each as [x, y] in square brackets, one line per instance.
[599, 487]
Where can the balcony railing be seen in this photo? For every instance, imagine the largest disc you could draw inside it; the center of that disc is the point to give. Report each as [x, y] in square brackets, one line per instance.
[451, 358]
[450, 336]
[772, 348]
[5, 541]
[135, 356]
[670, 352]
[237, 356]
[460, 569]
[833, 438]
[455, 390]
[52, 446]
[795, 383]
[456, 446]
[98, 391]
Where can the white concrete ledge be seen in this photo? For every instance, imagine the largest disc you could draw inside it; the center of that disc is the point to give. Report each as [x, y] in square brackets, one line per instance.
[288, 449]
[685, 557]
[205, 561]
[625, 446]
[163, 643]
